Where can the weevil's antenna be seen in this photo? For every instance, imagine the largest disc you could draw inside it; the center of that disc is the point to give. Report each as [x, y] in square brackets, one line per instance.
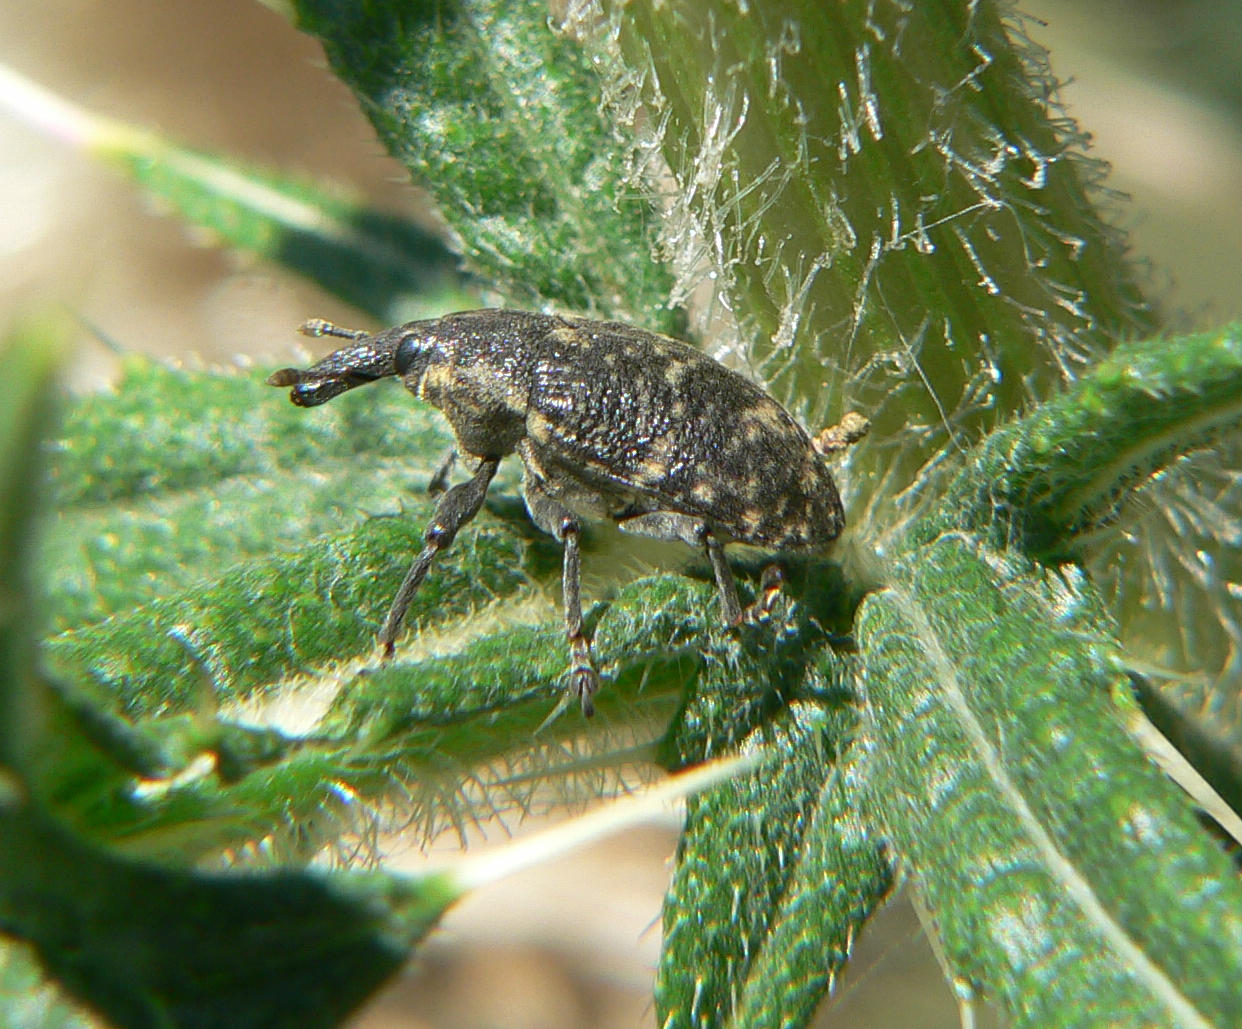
[323, 327]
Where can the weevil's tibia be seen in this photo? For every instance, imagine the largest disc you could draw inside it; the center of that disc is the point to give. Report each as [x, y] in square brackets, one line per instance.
[455, 509]
[557, 520]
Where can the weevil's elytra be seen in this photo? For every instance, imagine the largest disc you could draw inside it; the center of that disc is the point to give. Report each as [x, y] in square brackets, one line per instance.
[609, 421]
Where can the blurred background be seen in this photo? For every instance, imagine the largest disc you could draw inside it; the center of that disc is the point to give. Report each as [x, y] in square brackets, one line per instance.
[1157, 83]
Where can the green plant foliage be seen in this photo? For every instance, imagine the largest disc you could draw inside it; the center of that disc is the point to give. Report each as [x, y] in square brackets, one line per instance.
[896, 220]
[1087, 473]
[382, 263]
[30, 354]
[151, 946]
[1065, 873]
[780, 872]
[111, 893]
[498, 118]
[1044, 482]
[897, 225]
[141, 944]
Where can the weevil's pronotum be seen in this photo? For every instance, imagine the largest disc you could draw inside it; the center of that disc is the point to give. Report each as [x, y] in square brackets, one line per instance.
[609, 421]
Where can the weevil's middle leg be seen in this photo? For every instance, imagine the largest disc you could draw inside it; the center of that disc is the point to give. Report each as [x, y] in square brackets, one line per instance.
[557, 520]
[730, 607]
[583, 680]
[455, 509]
[669, 525]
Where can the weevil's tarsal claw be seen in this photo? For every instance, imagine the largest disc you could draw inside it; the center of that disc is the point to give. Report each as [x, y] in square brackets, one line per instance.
[583, 679]
[770, 584]
[836, 439]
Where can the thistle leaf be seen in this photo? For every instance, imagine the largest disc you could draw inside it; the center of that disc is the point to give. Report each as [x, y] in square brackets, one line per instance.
[380, 262]
[1063, 873]
[775, 875]
[885, 206]
[498, 118]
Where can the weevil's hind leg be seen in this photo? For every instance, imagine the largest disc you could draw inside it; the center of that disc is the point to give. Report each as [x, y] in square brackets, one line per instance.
[770, 583]
[558, 521]
[455, 509]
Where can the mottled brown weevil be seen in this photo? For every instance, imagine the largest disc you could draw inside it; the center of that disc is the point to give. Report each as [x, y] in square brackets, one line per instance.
[609, 421]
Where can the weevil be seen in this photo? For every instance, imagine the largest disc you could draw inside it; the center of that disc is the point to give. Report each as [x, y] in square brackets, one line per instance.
[609, 421]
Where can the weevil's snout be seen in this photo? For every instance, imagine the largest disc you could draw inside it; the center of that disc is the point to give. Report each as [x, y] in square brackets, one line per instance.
[311, 390]
[366, 359]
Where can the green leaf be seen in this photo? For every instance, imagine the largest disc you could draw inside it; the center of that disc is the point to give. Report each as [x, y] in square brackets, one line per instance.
[1066, 877]
[146, 945]
[151, 946]
[169, 471]
[894, 219]
[1044, 481]
[889, 212]
[498, 118]
[29, 353]
[1108, 472]
[775, 875]
[380, 262]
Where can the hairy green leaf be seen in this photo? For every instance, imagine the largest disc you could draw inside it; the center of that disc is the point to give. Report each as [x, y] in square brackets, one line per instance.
[151, 946]
[1066, 877]
[895, 218]
[383, 263]
[1045, 480]
[887, 209]
[1093, 473]
[498, 118]
[775, 874]
[142, 944]
[158, 478]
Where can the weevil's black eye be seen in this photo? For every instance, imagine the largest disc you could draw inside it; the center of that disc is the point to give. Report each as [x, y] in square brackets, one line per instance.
[407, 355]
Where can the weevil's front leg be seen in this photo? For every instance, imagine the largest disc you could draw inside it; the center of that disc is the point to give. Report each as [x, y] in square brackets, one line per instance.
[439, 481]
[557, 520]
[455, 509]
